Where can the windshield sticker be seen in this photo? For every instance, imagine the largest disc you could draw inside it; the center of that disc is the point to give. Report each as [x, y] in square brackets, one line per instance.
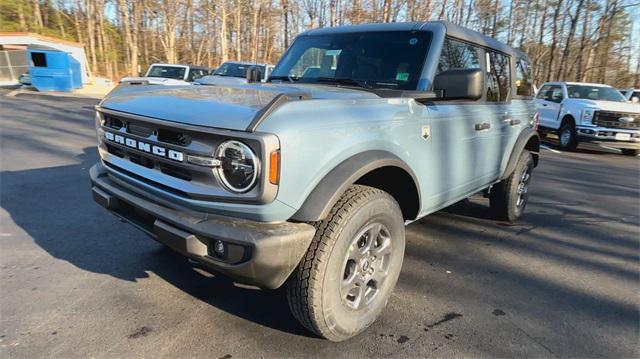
[332, 52]
[413, 41]
[402, 76]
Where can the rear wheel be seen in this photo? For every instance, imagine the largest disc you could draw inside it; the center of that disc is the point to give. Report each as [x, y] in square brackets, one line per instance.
[346, 278]
[630, 152]
[509, 197]
[568, 137]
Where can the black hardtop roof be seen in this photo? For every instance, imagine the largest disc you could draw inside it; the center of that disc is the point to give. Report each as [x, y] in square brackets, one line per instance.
[451, 29]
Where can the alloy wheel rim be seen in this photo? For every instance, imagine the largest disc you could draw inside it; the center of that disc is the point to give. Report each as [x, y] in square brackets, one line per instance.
[523, 188]
[366, 266]
[565, 136]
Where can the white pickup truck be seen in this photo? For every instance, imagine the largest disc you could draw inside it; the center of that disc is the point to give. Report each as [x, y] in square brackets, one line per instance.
[583, 112]
[168, 74]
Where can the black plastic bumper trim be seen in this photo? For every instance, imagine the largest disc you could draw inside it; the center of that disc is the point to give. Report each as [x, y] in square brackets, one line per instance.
[273, 250]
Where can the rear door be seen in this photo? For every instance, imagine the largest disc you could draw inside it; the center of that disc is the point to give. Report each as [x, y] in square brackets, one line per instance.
[494, 140]
[548, 105]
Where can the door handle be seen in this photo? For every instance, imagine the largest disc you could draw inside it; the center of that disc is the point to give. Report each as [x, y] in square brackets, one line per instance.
[483, 126]
[511, 121]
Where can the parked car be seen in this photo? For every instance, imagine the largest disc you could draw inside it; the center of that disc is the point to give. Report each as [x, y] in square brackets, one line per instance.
[234, 73]
[168, 74]
[632, 95]
[307, 181]
[584, 112]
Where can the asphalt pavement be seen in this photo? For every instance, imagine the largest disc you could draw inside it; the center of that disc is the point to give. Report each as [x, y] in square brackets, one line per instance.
[77, 282]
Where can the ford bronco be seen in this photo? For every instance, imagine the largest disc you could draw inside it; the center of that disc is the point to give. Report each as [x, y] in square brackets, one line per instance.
[583, 112]
[307, 181]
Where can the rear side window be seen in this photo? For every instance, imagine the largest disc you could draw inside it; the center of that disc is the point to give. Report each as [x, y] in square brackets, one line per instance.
[458, 55]
[524, 85]
[498, 77]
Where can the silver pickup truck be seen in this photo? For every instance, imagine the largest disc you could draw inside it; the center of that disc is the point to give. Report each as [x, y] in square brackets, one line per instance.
[309, 179]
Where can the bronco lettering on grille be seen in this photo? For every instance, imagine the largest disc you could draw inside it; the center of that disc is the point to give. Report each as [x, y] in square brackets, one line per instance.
[145, 147]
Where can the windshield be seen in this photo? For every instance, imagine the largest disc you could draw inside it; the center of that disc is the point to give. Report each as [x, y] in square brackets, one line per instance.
[168, 72]
[391, 59]
[236, 70]
[594, 93]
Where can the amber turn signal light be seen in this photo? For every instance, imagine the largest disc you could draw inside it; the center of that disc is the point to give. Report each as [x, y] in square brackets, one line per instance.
[274, 167]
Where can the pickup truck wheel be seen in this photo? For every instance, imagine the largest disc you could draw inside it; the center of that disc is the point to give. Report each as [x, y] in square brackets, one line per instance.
[568, 137]
[509, 197]
[630, 152]
[351, 267]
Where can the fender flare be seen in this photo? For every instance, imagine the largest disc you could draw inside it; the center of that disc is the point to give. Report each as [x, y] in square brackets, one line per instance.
[521, 143]
[328, 191]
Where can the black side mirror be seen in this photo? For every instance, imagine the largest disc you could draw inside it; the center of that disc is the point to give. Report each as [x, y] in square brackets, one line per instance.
[254, 74]
[459, 84]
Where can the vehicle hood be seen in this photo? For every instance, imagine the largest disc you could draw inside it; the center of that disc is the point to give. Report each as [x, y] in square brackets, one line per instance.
[607, 105]
[154, 80]
[220, 80]
[228, 107]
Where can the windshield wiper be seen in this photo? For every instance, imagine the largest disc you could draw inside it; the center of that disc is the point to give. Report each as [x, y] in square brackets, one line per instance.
[344, 81]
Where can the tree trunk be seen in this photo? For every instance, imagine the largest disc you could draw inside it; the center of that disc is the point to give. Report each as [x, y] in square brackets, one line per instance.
[91, 33]
[224, 44]
[21, 19]
[562, 69]
[37, 15]
[386, 11]
[238, 24]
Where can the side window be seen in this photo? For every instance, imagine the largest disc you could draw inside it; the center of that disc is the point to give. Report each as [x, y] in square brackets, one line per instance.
[458, 55]
[498, 77]
[542, 92]
[523, 78]
[551, 93]
[195, 74]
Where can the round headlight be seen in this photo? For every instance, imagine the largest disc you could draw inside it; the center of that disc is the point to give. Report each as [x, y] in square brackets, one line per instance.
[238, 168]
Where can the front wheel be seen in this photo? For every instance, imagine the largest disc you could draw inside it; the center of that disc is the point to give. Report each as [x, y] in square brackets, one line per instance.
[509, 197]
[568, 137]
[346, 278]
[630, 152]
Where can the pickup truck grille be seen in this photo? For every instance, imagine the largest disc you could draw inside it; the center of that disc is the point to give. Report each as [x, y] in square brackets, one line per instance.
[613, 120]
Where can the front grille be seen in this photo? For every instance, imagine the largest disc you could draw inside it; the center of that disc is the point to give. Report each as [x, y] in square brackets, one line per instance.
[173, 137]
[113, 122]
[152, 134]
[139, 130]
[612, 120]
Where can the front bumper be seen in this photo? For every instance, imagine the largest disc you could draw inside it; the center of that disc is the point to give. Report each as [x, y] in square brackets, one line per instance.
[256, 253]
[609, 136]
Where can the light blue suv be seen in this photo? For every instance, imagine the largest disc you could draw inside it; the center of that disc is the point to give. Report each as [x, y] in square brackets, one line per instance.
[309, 179]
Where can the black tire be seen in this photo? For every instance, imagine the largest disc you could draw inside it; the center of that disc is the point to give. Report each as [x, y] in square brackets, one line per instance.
[509, 197]
[317, 290]
[567, 136]
[630, 151]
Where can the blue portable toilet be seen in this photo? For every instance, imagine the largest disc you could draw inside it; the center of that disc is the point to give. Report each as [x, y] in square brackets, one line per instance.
[52, 70]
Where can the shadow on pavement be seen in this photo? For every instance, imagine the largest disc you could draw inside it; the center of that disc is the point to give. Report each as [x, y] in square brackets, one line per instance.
[54, 206]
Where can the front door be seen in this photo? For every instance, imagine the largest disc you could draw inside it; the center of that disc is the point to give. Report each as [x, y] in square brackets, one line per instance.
[548, 105]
